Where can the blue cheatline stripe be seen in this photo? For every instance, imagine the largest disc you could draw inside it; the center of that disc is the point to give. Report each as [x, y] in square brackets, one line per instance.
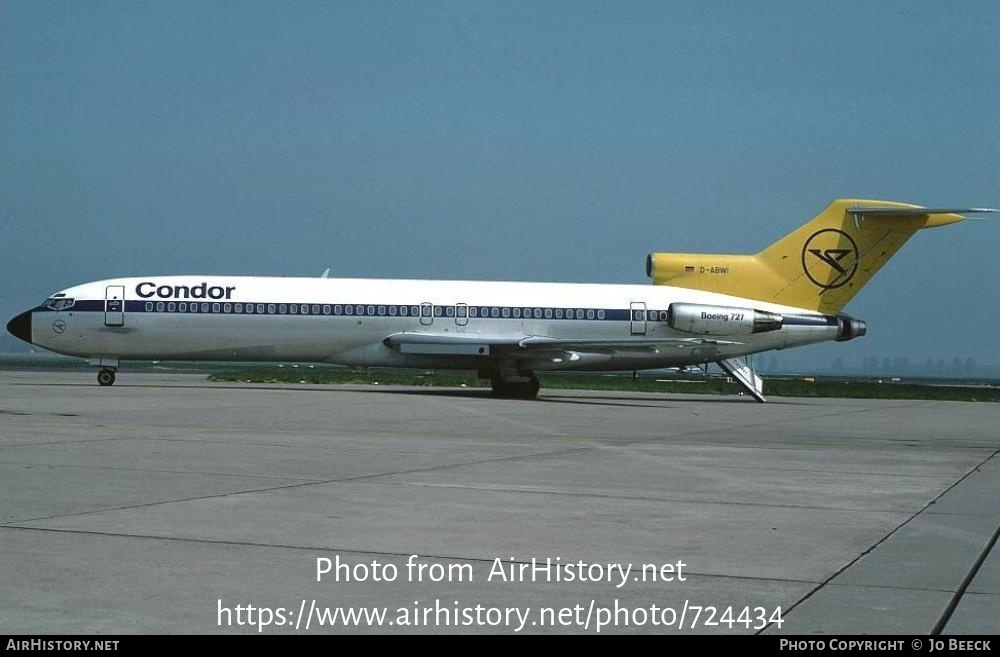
[474, 311]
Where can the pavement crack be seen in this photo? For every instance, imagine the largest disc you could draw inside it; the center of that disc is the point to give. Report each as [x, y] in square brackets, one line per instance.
[267, 489]
[873, 547]
[969, 576]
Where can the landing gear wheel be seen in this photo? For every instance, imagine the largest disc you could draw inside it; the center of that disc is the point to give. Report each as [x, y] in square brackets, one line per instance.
[106, 377]
[531, 388]
[506, 389]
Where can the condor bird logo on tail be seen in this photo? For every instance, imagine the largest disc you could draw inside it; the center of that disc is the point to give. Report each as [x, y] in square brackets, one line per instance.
[830, 268]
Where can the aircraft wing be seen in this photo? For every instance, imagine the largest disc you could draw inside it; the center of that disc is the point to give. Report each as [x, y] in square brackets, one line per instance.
[471, 344]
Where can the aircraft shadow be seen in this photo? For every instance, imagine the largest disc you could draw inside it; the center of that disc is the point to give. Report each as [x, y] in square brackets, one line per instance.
[616, 400]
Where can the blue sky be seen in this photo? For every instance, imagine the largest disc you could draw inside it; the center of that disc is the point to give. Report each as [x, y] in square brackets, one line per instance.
[499, 140]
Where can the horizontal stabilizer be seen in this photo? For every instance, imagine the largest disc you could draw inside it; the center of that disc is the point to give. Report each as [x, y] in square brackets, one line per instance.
[915, 212]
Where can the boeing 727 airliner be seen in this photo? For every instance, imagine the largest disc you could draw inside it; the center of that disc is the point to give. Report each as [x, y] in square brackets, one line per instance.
[700, 309]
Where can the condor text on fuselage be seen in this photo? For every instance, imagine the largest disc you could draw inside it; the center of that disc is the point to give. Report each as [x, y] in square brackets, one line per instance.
[149, 289]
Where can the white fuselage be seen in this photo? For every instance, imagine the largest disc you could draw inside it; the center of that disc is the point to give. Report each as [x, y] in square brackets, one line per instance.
[347, 321]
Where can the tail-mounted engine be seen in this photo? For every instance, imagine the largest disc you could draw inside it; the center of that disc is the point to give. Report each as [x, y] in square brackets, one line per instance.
[849, 328]
[721, 320]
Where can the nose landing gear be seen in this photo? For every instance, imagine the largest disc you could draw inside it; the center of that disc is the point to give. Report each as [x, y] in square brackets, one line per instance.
[106, 377]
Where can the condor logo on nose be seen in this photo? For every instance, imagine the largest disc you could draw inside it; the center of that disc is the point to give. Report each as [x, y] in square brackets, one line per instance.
[147, 290]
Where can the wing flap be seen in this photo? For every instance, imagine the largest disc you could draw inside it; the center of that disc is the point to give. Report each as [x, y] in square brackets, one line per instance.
[465, 344]
[446, 344]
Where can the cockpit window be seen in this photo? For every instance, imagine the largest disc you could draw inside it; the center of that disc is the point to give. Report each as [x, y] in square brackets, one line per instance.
[59, 303]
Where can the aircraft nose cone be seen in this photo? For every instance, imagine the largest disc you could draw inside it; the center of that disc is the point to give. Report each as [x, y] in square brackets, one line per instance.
[20, 327]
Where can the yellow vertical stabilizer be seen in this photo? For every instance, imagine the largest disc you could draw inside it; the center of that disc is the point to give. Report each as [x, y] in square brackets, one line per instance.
[820, 266]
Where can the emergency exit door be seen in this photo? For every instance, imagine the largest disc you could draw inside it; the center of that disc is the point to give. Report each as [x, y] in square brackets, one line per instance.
[638, 320]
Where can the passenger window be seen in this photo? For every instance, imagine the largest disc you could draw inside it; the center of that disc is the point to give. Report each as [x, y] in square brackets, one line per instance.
[463, 311]
[548, 313]
[338, 309]
[381, 310]
[413, 310]
[359, 310]
[271, 308]
[294, 309]
[204, 307]
[238, 307]
[449, 311]
[403, 310]
[159, 306]
[538, 313]
[494, 312]
[473, 311]
[326, 309]
[149, 306]
[182, 306]
[371, 310]
[349, 310]
[579, 313]
[282, 308]
[517, 312]
[226, 308]
[601, 314]
[171, 307]
[505, 312]
[216, 307]
[437, 311]
[425, 311]
[260, 308]
[559, 313]
[393, 310]
[315, 309]
[590, 313]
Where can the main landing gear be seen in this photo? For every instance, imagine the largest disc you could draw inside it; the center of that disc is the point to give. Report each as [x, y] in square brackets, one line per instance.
[106, 377]
[515, 387]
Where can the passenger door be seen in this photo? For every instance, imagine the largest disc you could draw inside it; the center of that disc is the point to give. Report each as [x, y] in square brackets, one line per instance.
[114, 305]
